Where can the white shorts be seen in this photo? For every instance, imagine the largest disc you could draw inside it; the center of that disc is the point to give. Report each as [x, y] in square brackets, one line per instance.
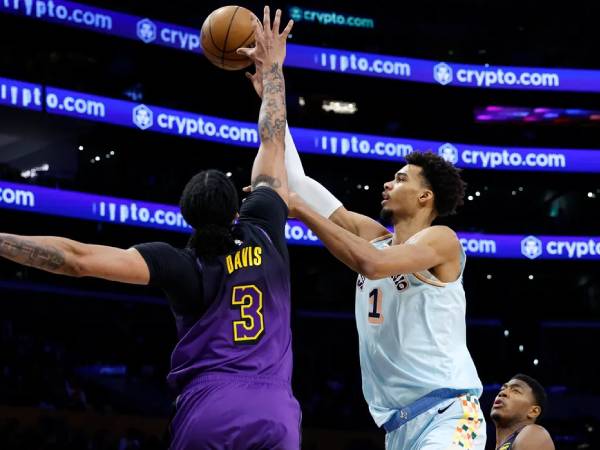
[453, 424]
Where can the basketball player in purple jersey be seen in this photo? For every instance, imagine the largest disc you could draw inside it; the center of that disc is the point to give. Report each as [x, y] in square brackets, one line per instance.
[229, 290]
[515, 413]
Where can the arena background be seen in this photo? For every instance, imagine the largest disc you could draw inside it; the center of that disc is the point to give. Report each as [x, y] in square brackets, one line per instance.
[83, 362]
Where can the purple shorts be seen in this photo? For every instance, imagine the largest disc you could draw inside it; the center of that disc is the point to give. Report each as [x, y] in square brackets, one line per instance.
[233, 412]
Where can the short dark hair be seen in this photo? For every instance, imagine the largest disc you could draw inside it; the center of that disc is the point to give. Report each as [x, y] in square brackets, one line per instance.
[442, 178]
[209, 204]
[539, 393]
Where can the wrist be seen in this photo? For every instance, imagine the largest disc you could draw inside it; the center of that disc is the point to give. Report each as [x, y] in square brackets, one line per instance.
[302, 210]
[269, 65]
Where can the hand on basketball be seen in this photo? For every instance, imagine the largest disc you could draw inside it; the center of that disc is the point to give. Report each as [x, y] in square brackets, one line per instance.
[270, 45]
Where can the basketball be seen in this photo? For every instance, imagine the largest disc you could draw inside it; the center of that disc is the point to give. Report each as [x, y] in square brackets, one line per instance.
[224, 31]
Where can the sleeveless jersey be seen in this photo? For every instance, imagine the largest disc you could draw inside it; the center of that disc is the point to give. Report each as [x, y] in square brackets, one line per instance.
[508, 444]
[412, 339]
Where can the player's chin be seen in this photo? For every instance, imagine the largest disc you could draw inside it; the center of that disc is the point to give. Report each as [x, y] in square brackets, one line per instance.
[386, 214]
[496, 414]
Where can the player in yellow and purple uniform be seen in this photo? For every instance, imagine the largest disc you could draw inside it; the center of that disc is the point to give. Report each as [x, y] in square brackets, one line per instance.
[515, 413]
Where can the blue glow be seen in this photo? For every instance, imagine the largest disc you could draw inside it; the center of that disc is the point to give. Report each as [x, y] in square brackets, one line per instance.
[321, 142]
[135, 213]
[155, 32]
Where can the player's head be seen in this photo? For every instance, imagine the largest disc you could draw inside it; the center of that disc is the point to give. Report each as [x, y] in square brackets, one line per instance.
[522, 399]
[209, 204]
[426, 183]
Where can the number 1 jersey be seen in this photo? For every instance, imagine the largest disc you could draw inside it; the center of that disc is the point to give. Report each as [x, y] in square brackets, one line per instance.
[412, 339]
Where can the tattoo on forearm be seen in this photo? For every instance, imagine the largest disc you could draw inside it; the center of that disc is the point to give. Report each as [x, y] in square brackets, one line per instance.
[30, 253]
[268, 180]
[271, 121]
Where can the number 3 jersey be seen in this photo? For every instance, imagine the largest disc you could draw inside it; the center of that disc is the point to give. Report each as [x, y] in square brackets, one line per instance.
[232, 312]
[412, 339]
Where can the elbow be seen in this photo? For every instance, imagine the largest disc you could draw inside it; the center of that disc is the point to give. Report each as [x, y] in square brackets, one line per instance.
[74, 269]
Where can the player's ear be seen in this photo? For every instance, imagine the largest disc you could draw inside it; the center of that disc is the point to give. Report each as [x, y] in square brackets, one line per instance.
[534, 412]
[425, 196]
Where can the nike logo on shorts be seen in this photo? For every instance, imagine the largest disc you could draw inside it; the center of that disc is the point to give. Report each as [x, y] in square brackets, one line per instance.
[443, 410]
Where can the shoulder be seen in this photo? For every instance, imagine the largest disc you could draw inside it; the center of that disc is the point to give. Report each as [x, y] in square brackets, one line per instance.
[265, 194]
[440, 237]
[252, 233]
[437, 233]
[533, 437]
[264, 204]
[160, 255]
[160, 248]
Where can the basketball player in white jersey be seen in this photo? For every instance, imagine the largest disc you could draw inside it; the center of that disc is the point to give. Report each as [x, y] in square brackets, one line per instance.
[418, 377]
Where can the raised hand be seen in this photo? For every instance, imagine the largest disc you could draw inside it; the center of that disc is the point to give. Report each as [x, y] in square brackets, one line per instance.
[270, 47]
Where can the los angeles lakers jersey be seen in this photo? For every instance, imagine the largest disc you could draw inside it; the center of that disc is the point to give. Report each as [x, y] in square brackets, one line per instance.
[508, 443]
[412, 339]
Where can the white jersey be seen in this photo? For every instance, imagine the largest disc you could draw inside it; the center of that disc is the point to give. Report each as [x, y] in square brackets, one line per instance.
[412, 339]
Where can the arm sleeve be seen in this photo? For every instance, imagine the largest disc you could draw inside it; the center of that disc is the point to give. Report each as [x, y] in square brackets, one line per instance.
[265, 208]
[313, 192]
[176, 273]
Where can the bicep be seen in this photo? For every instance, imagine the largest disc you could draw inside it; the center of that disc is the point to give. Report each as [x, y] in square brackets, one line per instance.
[114, 264]
[428, 249]
[403, 258]
[358, 224]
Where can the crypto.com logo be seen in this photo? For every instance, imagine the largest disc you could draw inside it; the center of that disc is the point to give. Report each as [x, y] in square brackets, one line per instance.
[146, 30]
[142, 117]
[442, 73]
[531, 247]
[296, 14]
[449, 152]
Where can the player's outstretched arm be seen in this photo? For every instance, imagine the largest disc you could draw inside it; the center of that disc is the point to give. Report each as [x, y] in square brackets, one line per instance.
[324, 202]
[430, 248]
[269, 54]
[358, 224]
[67, 257]
[317, 196]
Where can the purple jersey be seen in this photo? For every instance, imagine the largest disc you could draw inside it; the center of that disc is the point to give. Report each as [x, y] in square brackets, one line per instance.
[232, 312]
[234, 355]
[246, 328]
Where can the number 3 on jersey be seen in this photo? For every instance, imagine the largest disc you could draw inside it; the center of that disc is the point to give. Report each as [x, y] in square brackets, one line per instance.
[249, 300]
[375, 301]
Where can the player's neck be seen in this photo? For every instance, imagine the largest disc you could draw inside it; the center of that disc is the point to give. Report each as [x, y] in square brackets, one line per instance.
[406, 227]
[504, 432]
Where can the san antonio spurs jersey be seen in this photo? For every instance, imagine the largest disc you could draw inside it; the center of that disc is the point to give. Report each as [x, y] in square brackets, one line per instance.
[412, 339]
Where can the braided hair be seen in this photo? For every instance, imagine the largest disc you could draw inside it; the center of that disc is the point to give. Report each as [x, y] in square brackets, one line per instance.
[209, 204]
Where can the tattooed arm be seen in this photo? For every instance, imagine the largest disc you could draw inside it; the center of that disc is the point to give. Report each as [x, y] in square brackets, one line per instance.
[67, 257]
[268, 54]
[269, 165]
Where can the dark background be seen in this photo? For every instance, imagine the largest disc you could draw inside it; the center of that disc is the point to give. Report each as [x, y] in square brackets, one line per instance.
[54, 331]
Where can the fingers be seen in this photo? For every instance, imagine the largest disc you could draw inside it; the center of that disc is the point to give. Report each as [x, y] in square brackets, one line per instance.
[267, 19]
[246, 51]
[277, 22]
[286, 31]
[247, 189]
[249, 75]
